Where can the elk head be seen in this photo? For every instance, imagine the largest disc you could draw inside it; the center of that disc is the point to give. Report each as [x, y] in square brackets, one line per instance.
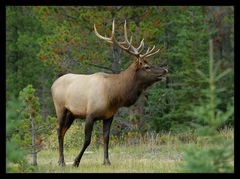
[144, 72]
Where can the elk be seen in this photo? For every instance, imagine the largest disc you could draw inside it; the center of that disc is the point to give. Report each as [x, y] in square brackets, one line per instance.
[98, 96]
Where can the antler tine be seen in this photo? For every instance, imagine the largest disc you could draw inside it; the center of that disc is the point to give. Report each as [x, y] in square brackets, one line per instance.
[135, 51]
[130, 43]
[141, 46]
[145, 53]
[125, 35]
[101, 37]
[125, 31]
[149, 52]
[125, 42]
[130, 49]
[110, 40]
[152, 49]
[152, 53]
[113, 29]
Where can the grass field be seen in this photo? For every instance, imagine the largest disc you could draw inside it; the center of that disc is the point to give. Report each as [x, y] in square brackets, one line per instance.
[153, 154]
[123, 159]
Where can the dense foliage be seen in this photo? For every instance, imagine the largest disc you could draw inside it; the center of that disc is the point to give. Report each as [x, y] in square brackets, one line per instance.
[44, 42]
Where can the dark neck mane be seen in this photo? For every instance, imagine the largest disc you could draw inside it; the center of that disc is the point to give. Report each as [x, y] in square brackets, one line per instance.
[129, 89]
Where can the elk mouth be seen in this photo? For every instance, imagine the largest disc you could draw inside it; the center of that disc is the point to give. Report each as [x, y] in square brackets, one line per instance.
[162, 76]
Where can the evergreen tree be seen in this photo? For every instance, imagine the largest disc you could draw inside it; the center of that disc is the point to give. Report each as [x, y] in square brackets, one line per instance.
[14, 154]
[213, 159]
[31, 128]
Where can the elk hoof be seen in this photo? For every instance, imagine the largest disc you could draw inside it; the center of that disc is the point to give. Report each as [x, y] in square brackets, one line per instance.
[107, 162]
[75, 164]
[61, 163]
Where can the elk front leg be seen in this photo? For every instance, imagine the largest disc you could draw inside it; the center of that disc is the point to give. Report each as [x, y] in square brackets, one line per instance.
[87, 140]
[106, 130]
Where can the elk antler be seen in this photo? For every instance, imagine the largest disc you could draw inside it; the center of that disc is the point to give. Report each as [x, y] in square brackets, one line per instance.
[126, 44]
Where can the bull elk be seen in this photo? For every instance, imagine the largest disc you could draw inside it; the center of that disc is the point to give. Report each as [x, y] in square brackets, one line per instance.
[98, 96]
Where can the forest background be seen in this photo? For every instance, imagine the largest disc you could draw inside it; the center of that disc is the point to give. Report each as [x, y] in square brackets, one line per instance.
[194, 105]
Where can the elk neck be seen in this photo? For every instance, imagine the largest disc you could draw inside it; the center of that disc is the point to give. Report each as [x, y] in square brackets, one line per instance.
[127, 88]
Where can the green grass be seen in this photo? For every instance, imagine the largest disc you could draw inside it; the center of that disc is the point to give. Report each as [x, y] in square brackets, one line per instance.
[153, 153]
[139, 158]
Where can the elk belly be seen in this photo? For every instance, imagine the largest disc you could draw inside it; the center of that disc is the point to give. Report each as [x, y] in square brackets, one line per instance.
[110, 113]
[76, 100]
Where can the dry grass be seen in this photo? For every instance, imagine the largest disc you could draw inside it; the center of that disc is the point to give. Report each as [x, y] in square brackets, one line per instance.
[140, 159]
[154, 153]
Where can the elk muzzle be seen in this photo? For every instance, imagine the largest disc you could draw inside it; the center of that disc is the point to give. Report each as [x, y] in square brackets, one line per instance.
[159, 72]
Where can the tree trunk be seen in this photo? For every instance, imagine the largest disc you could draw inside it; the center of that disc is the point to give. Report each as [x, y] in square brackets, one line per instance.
[33, 135]
[44, 97]
[116, 60]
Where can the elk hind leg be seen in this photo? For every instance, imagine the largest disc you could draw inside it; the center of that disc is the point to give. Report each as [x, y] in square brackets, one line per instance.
[106, 130]
[64, 124]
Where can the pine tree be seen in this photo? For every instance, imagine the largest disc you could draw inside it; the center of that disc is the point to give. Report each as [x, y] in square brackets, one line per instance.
[14, 154]
[31, 127]
[208, 120]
